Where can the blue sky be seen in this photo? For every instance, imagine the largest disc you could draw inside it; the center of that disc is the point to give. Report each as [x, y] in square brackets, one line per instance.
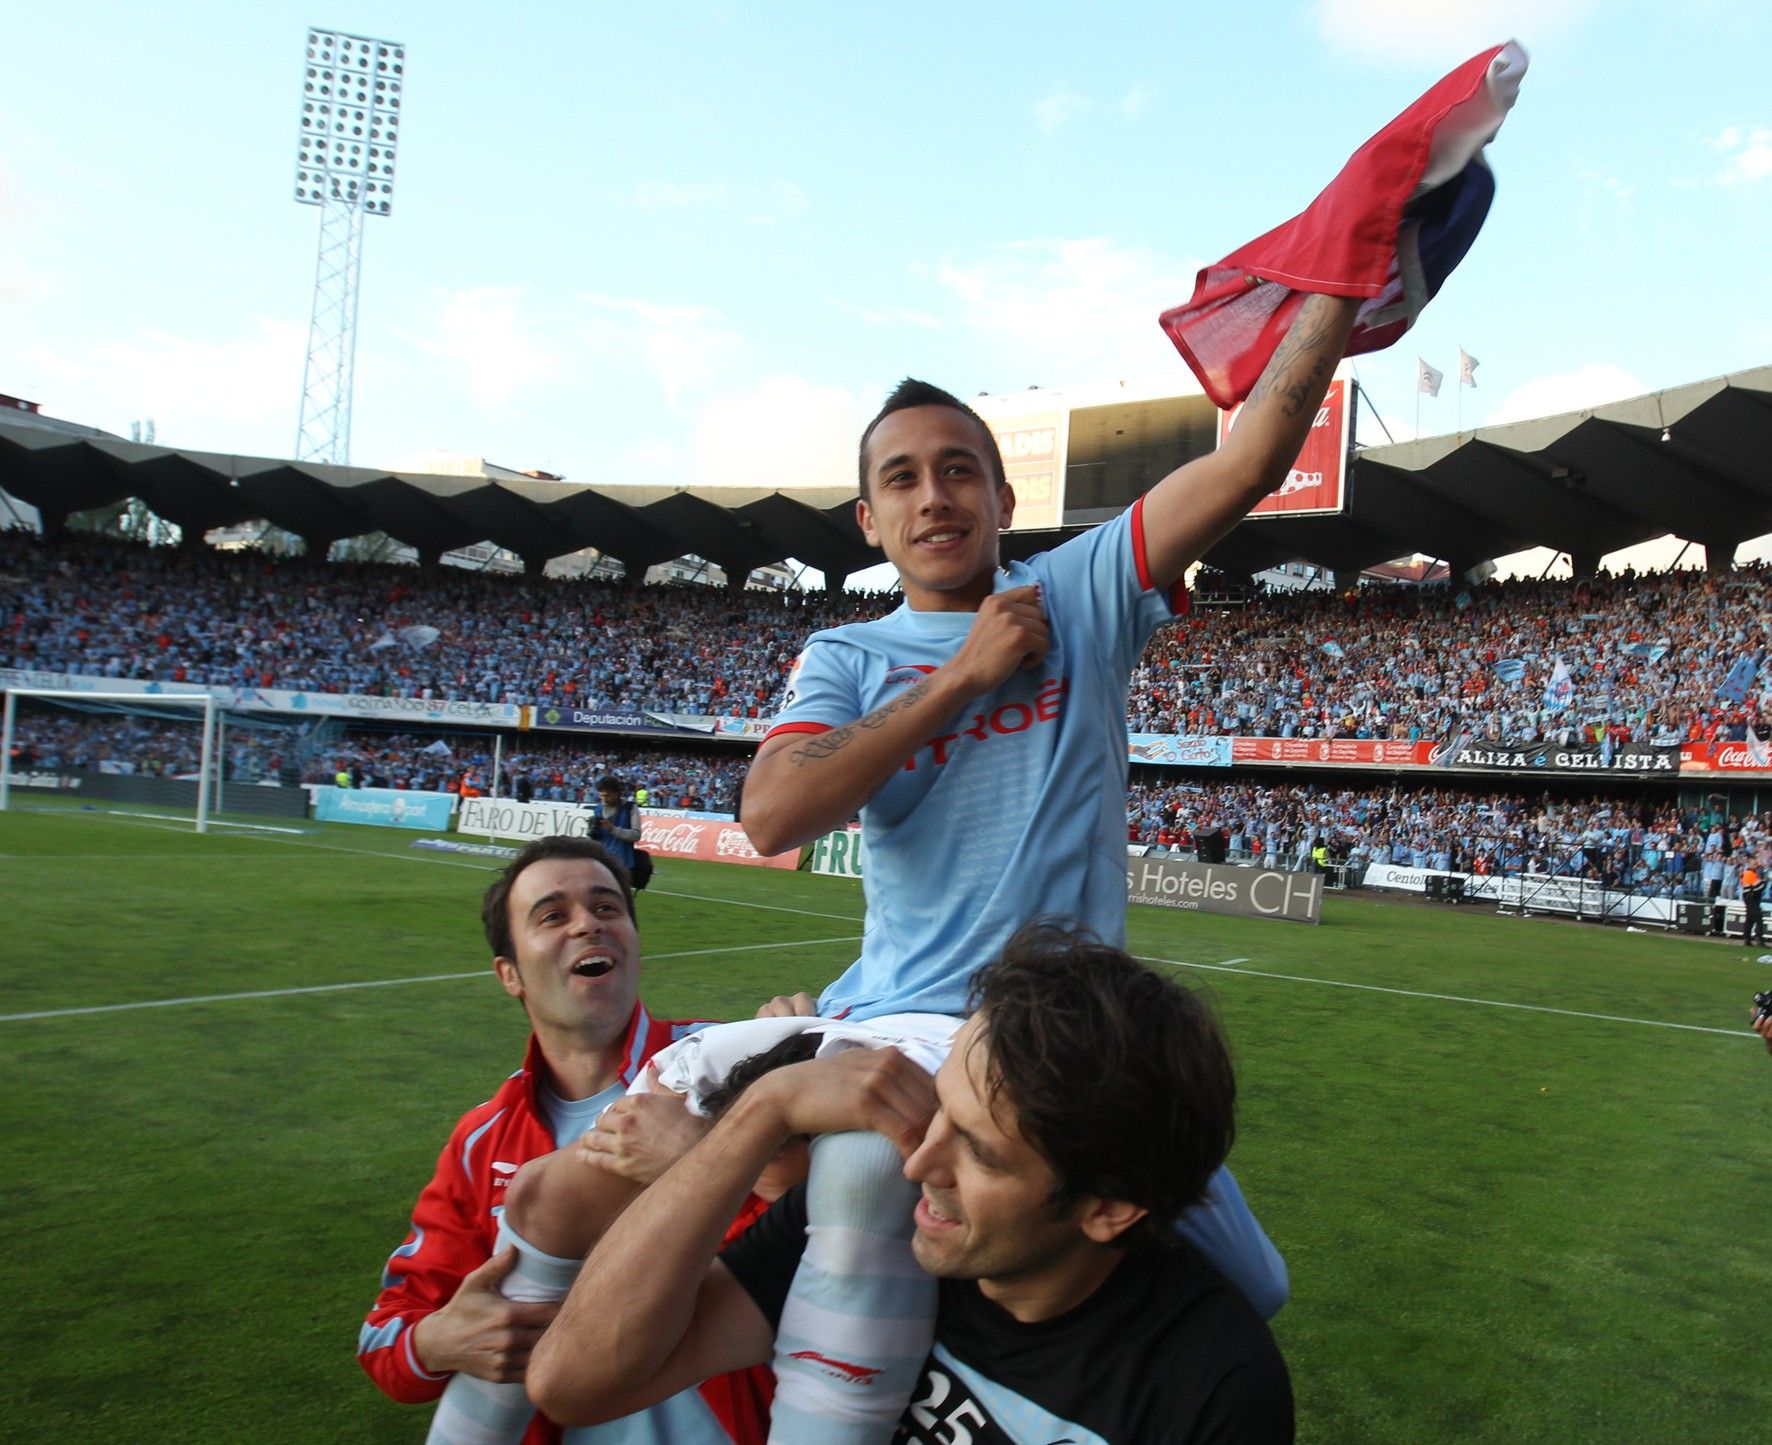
[696, 242]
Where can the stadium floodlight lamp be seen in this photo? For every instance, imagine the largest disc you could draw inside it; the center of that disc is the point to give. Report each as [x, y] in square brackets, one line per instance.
[350, 121]
[344, 164]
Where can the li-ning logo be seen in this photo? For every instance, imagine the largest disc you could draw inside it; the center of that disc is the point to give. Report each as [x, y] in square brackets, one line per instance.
[502, 1172]
[905, 672]
[839, 1369]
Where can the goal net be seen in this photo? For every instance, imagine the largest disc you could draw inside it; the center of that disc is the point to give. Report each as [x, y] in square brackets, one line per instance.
[160, 749]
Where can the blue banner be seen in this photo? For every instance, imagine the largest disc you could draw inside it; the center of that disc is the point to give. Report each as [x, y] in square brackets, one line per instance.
[383, 807]
[1175, 751]
[1740, 679]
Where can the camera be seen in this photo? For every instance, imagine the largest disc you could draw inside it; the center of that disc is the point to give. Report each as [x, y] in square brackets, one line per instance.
[1763, 1005]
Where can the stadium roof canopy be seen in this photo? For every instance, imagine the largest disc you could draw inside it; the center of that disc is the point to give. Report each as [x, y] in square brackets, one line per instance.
[1690, 461]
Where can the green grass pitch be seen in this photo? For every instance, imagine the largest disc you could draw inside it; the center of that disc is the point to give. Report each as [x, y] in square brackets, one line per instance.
[1544, 1221]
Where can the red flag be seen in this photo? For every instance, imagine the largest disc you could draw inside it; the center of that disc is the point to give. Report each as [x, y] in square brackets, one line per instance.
[1390, 228]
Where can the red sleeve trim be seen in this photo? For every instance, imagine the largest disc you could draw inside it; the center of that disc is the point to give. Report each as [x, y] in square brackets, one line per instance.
[1139, 560]
[805, 727]
[1179, 601]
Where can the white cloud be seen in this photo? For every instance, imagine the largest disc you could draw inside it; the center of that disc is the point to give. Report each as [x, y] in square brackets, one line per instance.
[676, 195]
[1052, 111]
[888, 317]
[1577, 390]
[785, 431]
[764, 204]
[1441, 32]
[1748, 152]
[498, 350]
[1621, 192]
[20, 284]
[650, 460]
[779, 202]
[1070, 310]
[213, 395]
[684, 345]
[1136, 101]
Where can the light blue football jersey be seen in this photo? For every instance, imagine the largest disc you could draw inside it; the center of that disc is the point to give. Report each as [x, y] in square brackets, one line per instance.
[1017, 809]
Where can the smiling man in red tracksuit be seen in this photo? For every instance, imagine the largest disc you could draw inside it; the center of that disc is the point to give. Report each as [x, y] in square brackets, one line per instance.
[560, 922]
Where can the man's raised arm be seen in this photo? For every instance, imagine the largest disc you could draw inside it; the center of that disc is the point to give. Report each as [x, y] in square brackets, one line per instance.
[653, 1311]
[1196, 504]
[803, 784]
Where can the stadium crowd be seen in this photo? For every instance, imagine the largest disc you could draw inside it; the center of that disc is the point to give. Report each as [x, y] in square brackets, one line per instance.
[1645, 655]
[558, 769]
[118, 610]
[1646, 845]
[72, 742]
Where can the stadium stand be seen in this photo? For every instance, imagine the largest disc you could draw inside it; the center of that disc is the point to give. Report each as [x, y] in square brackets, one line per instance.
[118, 610]
[1645, 654]
[1410, 663]
[552, 769]
[1646, 845]
[547, 769]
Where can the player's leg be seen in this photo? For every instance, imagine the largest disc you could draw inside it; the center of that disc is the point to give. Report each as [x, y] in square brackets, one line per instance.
[556, 1209]
[1222, 1227]
[861, 1313]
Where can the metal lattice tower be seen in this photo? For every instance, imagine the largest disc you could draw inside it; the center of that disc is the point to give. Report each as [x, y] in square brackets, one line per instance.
[350, 124]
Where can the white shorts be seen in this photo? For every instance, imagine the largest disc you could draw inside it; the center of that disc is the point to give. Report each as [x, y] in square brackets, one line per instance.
[699, 1064]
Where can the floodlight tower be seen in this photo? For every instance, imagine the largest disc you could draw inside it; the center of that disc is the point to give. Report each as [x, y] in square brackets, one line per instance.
[350, 123]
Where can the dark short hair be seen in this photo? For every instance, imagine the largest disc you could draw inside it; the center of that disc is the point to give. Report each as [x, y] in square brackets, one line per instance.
[794, 1049]
[1121, 1079]
[609, 783]
[495, 908]
[911, 392]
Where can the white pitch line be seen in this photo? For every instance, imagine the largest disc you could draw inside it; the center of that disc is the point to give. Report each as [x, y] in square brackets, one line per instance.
[493, 867]
[770, 907]
[112, 1008]
[213, 822]
[1537, 1008]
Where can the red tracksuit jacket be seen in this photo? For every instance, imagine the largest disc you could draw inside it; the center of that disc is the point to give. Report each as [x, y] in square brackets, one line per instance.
[455, 1223]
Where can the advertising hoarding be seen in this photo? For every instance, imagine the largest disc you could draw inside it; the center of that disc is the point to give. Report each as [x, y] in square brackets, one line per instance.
[838, 854]
[1225, 888]
[383, 807]
[1317, 482]
[708, 840]
[1033, 447]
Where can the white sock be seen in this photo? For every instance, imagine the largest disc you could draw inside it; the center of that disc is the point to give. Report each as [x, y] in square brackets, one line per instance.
[473, 1411]
[859, 1319]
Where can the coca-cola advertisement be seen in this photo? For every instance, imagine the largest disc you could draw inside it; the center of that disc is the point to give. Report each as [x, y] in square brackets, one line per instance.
[1719, 757]
[1317, 482]
[707, 841]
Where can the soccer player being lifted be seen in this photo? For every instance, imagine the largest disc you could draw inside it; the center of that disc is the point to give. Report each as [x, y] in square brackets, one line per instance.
[980, 732]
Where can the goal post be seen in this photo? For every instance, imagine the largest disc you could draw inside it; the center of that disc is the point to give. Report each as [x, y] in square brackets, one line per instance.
[142, 703]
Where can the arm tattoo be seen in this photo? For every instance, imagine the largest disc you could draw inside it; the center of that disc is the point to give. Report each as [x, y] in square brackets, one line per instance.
[823, 745]
[1295, 383]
